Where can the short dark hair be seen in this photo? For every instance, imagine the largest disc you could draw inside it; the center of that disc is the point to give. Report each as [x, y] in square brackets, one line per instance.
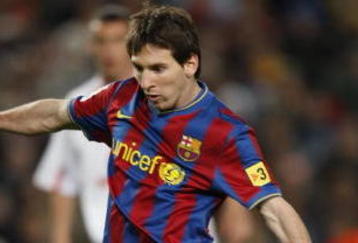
[111, 12]
[167, 27]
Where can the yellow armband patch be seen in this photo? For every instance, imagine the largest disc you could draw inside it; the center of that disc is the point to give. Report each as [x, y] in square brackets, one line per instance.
[258, 174]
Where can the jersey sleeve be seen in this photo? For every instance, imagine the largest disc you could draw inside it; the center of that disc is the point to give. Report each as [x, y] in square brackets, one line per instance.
[90, 113]
[52, 174]
[243, 174]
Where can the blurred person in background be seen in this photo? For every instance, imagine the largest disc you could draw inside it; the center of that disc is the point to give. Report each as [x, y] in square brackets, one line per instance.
[71, 166]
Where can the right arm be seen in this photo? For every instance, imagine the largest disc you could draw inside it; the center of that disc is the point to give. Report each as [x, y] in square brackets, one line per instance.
[42, 116]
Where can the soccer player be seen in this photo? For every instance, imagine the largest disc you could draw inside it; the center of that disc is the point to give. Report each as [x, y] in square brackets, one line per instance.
[71, 165]
[176, 150]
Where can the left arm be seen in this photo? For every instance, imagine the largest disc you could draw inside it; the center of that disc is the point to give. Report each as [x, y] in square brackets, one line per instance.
[283, 220]
[244, 168]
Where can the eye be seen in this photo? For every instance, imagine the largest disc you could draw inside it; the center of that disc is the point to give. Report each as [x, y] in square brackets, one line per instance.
[158, 68]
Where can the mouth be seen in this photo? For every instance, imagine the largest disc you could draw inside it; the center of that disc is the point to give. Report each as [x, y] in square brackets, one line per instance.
[153, 98]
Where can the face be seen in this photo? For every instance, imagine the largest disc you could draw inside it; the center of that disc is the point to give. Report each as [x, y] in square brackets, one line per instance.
[167, 84]
[109, 48]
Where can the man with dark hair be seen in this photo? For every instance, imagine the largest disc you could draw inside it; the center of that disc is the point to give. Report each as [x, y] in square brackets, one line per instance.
[71, 166]
[173, 31]
[177, 151]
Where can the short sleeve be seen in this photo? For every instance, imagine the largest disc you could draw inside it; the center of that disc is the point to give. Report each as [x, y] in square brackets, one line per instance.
[243, 173]
[90, 113]
[51, 173]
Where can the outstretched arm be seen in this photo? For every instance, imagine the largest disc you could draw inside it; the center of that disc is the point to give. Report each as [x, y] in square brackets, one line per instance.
[283, 220]
[37, 117]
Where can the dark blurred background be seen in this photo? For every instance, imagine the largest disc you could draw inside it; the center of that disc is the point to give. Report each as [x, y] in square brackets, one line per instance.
[290, 67]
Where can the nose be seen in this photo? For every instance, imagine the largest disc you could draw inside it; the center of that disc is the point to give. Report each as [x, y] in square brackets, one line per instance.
[145, 80]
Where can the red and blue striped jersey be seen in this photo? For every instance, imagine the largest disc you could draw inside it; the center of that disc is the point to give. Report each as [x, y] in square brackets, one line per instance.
[168, 171]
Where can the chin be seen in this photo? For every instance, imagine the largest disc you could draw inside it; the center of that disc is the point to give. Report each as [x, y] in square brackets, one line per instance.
[160, 107]
[163, 107]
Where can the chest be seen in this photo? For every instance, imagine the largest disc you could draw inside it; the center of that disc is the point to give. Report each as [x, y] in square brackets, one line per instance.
[167, 148]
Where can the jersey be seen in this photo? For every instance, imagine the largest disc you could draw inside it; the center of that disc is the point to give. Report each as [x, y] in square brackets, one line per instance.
[168, 171]
[71, 166]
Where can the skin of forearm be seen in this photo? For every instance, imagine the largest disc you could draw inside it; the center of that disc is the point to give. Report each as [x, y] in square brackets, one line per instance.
[37, 117]
[283, 220]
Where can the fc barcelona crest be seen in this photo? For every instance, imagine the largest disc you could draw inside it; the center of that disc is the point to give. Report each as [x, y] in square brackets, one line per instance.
[189, 148]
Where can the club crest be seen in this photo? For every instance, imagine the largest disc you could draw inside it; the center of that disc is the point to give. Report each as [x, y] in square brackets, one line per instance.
[188, 148]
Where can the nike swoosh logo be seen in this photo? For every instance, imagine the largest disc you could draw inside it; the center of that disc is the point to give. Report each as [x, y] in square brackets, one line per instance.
[120, 115]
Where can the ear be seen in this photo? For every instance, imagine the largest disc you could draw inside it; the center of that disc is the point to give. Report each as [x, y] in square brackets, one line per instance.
[191, 66]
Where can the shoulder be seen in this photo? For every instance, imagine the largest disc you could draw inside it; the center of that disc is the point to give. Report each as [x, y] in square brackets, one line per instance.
[224, 113]
[126, 87]
[95, 87]
[224, 124]
[131, 82]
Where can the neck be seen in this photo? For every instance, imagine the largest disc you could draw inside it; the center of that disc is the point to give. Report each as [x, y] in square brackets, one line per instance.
[192, 93]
